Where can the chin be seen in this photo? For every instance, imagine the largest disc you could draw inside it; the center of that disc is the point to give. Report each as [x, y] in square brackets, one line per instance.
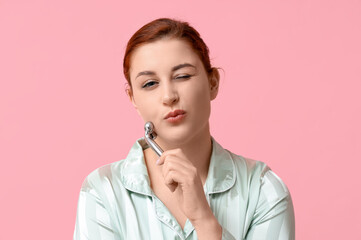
[179, 136]
[174, 139]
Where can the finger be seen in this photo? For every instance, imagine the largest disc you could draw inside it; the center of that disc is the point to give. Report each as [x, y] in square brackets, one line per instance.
[172, 152]
[173, 172]
[173, 164]
[170, 180]
[175, 155]
[172, 185]
[161, 159]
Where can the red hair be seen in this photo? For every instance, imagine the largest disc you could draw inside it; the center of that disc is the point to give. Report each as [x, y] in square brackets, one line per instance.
[170, 28]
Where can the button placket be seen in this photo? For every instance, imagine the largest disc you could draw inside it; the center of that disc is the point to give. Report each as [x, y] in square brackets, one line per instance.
[166, 217]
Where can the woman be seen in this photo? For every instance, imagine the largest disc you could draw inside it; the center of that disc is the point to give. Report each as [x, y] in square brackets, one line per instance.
[195, 189]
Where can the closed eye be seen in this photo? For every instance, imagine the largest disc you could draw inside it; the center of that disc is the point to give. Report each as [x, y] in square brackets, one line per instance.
[183, 77]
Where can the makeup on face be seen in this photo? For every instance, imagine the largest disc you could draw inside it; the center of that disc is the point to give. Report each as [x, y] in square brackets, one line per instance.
[170, 88]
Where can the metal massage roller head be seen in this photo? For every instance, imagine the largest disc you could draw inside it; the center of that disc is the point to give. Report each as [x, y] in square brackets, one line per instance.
[149, 137]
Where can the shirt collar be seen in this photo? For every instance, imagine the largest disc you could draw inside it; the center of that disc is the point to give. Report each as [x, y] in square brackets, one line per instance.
[221, 172]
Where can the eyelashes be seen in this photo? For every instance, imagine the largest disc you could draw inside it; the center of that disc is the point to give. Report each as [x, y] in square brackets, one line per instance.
[183, 77]
[151, 83]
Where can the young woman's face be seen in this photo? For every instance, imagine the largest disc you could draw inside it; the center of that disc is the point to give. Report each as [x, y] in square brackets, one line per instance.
[171, 88]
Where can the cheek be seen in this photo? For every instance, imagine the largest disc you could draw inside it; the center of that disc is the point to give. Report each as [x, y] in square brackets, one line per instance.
[146, 111]
[198, 98]
[144, 107]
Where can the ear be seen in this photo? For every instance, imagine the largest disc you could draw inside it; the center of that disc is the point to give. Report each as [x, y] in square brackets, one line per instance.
[129, 92]
[214, 83]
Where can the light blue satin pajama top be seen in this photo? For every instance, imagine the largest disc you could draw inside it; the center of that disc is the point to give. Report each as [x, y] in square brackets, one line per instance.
[249, 200]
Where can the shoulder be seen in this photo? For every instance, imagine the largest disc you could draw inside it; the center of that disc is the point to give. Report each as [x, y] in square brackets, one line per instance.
[259, 176]
[247, 167]
[102, 176]
[267, 194]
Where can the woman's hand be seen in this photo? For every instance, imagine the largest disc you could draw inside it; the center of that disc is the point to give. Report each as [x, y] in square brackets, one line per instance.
[182, 179]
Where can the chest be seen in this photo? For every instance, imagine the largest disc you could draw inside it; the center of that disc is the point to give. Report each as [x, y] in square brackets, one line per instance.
[171, 203]
[140, 216]
[162, 192]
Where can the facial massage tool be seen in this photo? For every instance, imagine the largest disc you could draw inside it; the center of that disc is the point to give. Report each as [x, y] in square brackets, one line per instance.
[150, 135]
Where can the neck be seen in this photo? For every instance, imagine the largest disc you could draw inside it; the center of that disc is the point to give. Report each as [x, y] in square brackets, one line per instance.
[197, 149]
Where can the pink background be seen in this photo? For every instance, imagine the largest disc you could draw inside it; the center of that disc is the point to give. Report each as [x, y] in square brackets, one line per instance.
[290, 96]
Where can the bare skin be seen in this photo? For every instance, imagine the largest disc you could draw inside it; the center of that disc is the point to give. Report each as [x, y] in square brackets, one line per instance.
[178, 176]
[167, 187]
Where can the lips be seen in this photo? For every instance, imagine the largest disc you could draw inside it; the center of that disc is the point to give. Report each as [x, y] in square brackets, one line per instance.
[174, 114]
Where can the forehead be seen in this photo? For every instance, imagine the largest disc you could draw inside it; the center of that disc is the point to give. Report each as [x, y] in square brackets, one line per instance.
[162, 54]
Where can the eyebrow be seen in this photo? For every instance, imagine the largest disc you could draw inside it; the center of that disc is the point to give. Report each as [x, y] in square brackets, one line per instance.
[175, 68]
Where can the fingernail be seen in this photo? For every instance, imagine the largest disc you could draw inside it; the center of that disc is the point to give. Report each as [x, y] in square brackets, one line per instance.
[157, 162]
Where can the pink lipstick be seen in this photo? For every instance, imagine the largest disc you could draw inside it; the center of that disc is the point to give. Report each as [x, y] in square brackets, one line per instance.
[175, 116]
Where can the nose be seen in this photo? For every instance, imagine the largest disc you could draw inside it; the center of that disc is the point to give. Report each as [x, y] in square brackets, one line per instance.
[170, 94]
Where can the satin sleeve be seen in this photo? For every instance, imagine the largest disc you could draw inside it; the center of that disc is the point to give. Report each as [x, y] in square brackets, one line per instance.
[274, 215]
[227, 235]
[93, 220]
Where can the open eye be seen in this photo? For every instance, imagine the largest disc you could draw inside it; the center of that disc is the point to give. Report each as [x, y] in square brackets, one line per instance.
[149, 84]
